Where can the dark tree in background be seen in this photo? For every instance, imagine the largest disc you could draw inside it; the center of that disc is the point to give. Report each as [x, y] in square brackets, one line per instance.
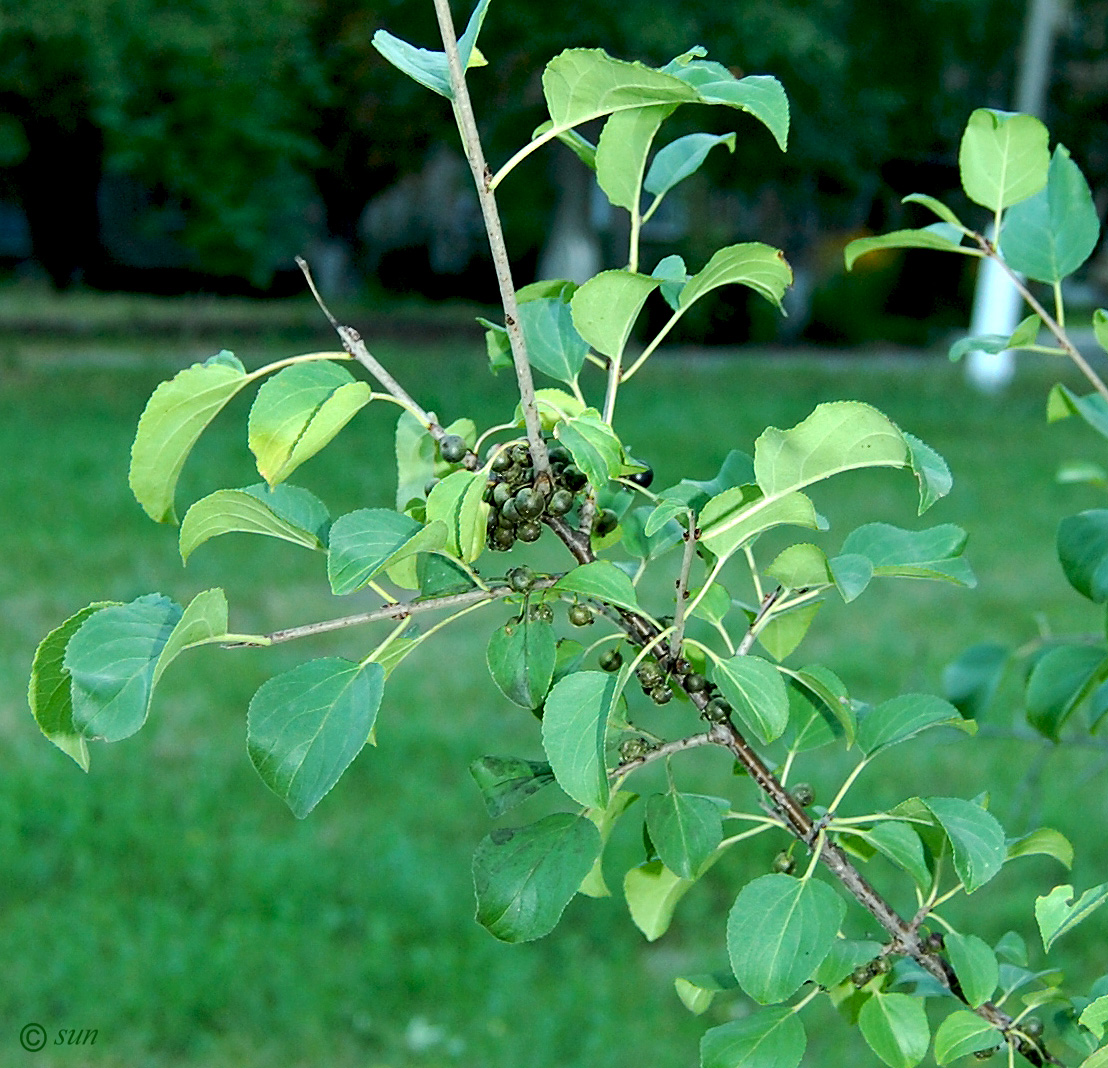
[183, 147]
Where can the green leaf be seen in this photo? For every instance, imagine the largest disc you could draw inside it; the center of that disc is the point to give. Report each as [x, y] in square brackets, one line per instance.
[1100, 328]
[304, 727]
[813, 725]
[832, 692]
[1095, 1016]
[680, 159]
[574, 725]
[731, 519]
[931, 472]
[845, 955]
[771, 1038]
[785, 631]
[175, 416]
[49, 693]
[298, 411]
[606, 306]
[203, 621]
[801, 567]
[895, 1028]
[1083, 552]
[1049, 235]
[838, 436]
[1003, 158]
[974, 964]
[697, 992]
[429, 68]
[553, 344]
[975, 836]
[778, 932]
[1093, 408]
[925, 554]
[936, 206]
[1061, 910]
[520, 657]
[1044, 842]
[652, 892]
[852, 574]
[285, 512]
[415, 459]
[752, 264]
[760, 95]
[942, 237]
[440, 575]
[673, 276]
[111, 661]
[1060, 680]
[714, 606]
[554, 405]
[1099, 1059]
[900, 718]
[686, 829]
[602, 580]
[900, 843]
[737, 469]
[525, 876]
[605, 819]
[458, 501]
[1024, 335]
[506, 781]
[650, 546]
[970, 682]
[622, 150]
[962, 1033]
[371, 540]
[757, 692]
[593, 445]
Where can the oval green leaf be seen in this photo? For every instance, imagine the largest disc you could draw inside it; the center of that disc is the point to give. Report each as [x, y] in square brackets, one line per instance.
[525, 876]
[458, 501]
[903, 717]
[753, 264]
[520, 657]
[962, 1033]
[1060, 680]
[602, 580]
[553, 344]
[975, 836]
[1061, 910]
[606, 306]
[757, 693]
[771, 1038]
[1083, 552]
[1003, 158]
[574, 725]
[653, 892]
[370, 540]
[305, 726]
[974, 964]
[896, 1029]
[680, 159]
[686, 829]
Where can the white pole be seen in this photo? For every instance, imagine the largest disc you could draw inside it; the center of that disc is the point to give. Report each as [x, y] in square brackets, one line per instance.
[996, 302]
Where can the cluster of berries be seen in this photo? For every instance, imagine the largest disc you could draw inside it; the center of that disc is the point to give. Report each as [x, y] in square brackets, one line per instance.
[518, 505]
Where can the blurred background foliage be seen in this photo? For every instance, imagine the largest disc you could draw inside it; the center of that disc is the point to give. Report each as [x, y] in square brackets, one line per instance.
[199, 146]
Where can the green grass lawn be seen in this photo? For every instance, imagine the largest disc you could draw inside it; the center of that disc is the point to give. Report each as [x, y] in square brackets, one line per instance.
[169, 901]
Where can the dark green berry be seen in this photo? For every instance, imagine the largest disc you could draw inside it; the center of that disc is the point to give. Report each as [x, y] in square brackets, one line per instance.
[501, 493]
[509, 512]
[606, 522]
[453, 448]
[521, 454]
[717, 710]
[695, 683]
[612, 660]
[560, 503]
[559, 454]
[574, 477]
[542, 613]
[861, 975]
[529, 530]
[803, 794]
[649, 675]
[521, 579]
[502, 539]
[429, 485]
[642, 478]
[580, 615]
[528, 503]
[985, 1054]
[661, 694]
[681, 666]
[501, 462]
[633, 748]
[784, 863]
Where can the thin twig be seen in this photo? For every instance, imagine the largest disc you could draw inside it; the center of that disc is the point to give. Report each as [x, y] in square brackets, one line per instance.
[683, 586]
[353, 343]
[1049, 321]
[482, 178]
[659, 753]
[395, 611]
[764, 610]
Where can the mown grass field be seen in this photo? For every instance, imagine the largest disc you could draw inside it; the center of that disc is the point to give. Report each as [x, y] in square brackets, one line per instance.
[170, 902]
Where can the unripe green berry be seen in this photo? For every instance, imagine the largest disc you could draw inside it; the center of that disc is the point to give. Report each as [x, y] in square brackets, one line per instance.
[521, 454]
[681, 666]
[502, 539]
[649, 675]
[695, 683]
[501, 494]
[501, 462]
[542, 613]
[559, 454]
[661, 694]
[861, 975]
[784, 863]
[803, 794]
[429, 485]
[580, 615]
[633, 748]
[612, 660]
[509, 512]
[528, 503]
[717, 710]
[529, 530]
[453, 448]
[560, 503]
[606, 522]
[574, 477]
[521, 579]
